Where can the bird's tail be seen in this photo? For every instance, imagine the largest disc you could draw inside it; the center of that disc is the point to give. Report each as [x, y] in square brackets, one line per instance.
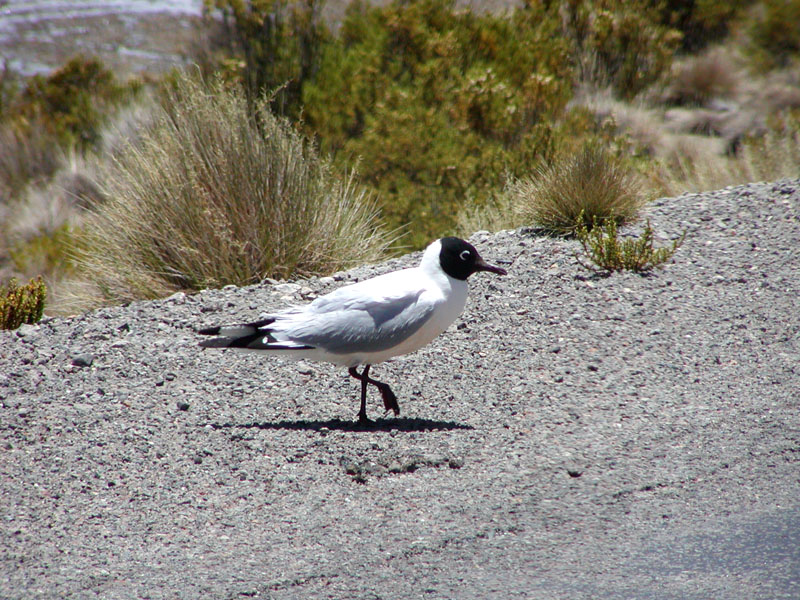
[248, 336]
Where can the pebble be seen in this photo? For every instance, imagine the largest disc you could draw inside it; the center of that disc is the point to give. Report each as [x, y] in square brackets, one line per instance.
[83, 360]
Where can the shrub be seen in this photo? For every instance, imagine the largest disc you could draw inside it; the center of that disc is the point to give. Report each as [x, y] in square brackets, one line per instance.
[701, 78]
[277, 42]
[28, 155]
[608, 253]
[73, 102]
[619, 43]
[701, 22]
[591, 184]
[437, 104]
[44, 118]
[21, 304]
[774, 32]
[211, 194]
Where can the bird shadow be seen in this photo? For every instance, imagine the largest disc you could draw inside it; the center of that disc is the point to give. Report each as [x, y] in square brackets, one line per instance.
[401, 424]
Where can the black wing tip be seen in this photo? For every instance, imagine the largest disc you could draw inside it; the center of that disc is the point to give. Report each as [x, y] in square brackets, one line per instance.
[255, 326]
[249, 343]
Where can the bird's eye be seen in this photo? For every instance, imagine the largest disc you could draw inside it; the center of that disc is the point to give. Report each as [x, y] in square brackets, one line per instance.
[465, 255]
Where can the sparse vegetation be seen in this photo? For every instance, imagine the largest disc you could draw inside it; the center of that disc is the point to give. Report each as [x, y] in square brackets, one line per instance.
[211, 194]
[21, 304]
[608, 253]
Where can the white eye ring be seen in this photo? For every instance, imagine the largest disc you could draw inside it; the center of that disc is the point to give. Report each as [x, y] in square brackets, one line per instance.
[465, 255]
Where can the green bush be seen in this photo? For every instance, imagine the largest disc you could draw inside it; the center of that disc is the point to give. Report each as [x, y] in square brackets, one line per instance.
[774, 32]
[21, 304]
[619, 43]
[277, 44]
[43, 118]
[437, 104]
[701, 22]
[73, 102]
[210, 194]
[602, 246]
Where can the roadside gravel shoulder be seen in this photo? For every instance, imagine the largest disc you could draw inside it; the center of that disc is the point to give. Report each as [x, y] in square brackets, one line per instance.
[569, 436]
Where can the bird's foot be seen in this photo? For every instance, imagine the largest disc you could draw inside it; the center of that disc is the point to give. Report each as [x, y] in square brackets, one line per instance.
[389, 399]
[363, 419]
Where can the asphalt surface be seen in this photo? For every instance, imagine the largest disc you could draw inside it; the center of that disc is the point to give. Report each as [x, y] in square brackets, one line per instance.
[571, 436]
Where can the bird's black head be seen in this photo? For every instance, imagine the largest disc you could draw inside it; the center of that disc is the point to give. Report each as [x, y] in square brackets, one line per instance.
[459, 259]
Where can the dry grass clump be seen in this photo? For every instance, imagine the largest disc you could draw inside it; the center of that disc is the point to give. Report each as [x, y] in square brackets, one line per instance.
[698, 79]
[26, 157]
[592, 184]
[495, 214]
[768, 157]
[211, 194]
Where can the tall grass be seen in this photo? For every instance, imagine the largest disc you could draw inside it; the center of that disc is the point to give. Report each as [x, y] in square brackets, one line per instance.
[212, 193]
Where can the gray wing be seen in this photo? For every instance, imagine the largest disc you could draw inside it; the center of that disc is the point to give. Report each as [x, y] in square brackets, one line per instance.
[345, 324]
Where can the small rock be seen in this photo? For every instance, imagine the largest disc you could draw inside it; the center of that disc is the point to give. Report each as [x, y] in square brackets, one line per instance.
[26, 329]
[184, 406]
[287, 288]
[83, 360]
[455, 463]
[394, 467]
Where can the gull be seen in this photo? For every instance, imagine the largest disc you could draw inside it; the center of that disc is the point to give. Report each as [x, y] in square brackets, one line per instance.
[368, 322]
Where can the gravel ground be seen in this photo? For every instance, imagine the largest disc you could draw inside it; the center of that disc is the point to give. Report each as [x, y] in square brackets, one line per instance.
[571, 436]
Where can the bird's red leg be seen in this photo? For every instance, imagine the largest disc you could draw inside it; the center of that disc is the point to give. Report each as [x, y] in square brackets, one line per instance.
[389, 398]
[362, 413]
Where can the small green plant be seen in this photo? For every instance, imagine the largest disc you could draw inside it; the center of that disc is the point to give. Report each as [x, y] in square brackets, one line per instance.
[591, 184]
[608, 253]
[21, 304]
